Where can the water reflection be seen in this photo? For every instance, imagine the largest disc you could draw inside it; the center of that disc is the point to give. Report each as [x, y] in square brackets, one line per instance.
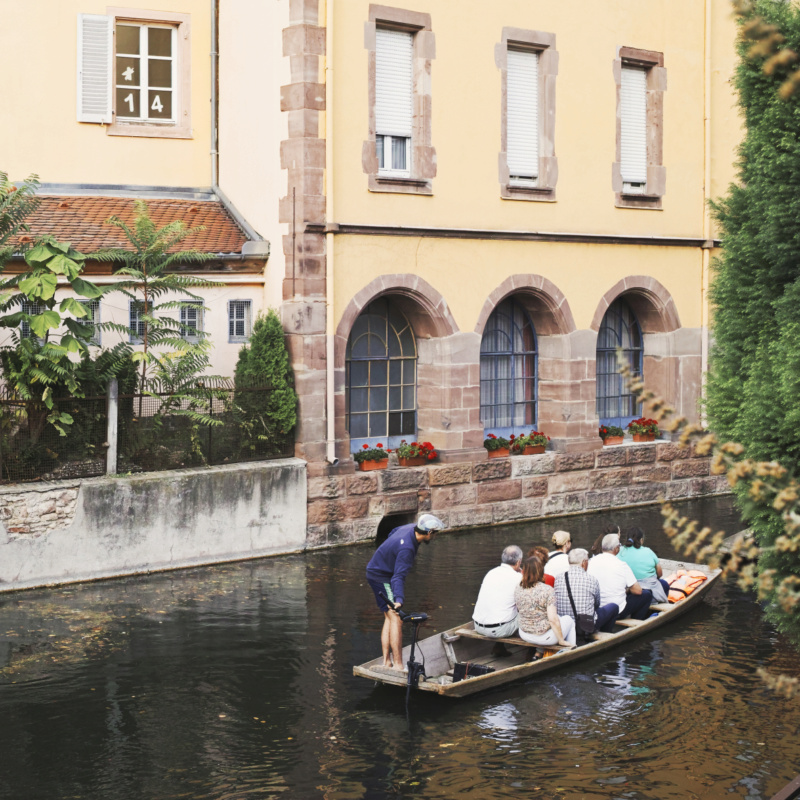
[236, 682]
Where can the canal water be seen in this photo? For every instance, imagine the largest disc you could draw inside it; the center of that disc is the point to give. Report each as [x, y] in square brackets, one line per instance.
[236, 682]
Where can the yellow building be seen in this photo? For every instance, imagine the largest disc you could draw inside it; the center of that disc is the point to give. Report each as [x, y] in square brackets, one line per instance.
[468, 207]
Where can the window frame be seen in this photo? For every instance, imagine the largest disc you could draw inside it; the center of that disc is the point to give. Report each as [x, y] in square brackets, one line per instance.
[248, 322]
[544, 45]
[93, 307]
[134, 308]
[199, 327]
[650, 196]
[181, 126]
[32, 308]
[420, 155]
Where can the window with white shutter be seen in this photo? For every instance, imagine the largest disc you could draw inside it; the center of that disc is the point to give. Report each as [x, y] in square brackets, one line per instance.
[394, 93]
[633, 129]
[522, 98]
[94, 68]
[239, 320]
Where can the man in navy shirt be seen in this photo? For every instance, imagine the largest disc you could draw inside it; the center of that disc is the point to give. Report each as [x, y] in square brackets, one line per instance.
[386, 573]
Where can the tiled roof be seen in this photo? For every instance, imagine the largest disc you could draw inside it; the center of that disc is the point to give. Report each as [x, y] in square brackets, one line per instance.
[81, 221]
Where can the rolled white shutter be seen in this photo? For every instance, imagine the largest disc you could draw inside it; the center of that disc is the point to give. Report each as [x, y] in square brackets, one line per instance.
[94, 68]
[633, 125]
[393, 82]
[522, 113]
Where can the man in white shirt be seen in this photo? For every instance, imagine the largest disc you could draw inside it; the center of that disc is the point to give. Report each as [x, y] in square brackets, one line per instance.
[495, 611]
[617, 582]
[558, 562]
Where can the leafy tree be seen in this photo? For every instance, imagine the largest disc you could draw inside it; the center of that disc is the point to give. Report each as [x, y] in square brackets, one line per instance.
[265, 363]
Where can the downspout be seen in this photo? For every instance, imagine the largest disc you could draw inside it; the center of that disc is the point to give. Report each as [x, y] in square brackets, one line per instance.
[330, 366]
[214, 95]
[704, 307]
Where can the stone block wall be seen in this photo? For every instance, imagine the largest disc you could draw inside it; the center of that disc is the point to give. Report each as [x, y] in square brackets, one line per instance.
[347, 506]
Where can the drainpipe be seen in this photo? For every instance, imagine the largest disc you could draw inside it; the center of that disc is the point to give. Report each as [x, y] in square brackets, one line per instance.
[704, 308]
[330, 393]
[214, 94]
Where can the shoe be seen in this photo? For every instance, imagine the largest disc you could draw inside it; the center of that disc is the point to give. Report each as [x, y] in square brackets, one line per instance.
[500, 650]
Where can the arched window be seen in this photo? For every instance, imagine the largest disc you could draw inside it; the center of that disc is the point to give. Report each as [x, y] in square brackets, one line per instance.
[620, 329]
[381, 377]
[508, 371]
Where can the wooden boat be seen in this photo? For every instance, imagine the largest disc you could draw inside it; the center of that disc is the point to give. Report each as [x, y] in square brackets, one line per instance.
[442, 651]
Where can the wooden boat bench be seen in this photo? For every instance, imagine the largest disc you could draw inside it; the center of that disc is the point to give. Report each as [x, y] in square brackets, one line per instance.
[470, 633]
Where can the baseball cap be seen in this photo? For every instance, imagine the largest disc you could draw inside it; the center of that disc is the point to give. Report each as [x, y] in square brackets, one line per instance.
[428, 523]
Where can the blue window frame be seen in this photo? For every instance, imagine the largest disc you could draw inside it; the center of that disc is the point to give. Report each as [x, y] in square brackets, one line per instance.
[508, 371]
[381, 378]
[619, 329]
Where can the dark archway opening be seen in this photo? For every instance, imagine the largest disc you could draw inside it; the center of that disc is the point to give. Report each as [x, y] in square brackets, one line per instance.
[389, 523]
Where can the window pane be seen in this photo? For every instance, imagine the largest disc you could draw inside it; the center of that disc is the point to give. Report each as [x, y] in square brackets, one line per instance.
[160, 104]
[128, 102]
[408, 397]
[127, 71]
[358, 399]
[159, 41]
[395, 424]
[377, 373]
[395, 372]
[358, 426]
[409, 423]
[377, 399]
[395, 397]
[359, 347]
[359, 373]
[159, 73]
[128, 39]
[399, 145]
[377, 424]
[409, 370]
[379, 148]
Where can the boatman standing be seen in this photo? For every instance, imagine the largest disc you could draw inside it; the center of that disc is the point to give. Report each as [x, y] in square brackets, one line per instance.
[386, 574]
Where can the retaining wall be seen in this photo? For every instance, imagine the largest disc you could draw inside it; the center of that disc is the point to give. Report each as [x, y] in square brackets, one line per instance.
[70, 531]
[346, 507]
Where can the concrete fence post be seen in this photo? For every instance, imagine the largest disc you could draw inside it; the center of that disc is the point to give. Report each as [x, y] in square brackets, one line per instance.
[112, 408]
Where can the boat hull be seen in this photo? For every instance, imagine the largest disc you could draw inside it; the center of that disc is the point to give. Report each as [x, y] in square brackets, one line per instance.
[461, 643]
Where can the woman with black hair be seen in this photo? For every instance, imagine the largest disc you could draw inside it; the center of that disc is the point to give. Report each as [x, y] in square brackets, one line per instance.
[644, 563]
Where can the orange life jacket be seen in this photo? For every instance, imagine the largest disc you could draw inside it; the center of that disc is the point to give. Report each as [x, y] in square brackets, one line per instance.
[683, 582]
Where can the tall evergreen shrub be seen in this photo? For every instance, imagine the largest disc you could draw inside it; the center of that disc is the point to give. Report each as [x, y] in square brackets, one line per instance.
[754, 377]
[265, 363]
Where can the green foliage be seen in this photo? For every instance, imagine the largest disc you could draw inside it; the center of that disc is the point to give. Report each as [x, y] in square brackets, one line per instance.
[754, 374]
[265, 363]
[16, 203]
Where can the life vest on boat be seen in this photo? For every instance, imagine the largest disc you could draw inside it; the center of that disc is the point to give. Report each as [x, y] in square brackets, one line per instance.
[683, 582]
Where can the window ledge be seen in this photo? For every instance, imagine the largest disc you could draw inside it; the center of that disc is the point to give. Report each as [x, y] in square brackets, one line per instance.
[385, 183]
[149, 131]
[643, 201]
[541, 194]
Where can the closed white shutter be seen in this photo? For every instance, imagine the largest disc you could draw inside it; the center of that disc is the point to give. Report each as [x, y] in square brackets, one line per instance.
[393, 82]
[633, 125]
[94, 68]
[522, 113]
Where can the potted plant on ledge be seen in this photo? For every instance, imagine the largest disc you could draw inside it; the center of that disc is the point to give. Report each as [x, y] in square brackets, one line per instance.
[532, 444]
[611, 434]
[415, 454]
[497, 446]
[643, 429]
[369, 458]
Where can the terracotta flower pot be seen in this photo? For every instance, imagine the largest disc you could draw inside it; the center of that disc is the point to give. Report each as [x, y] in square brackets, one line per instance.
[609, 440]
[501, 452]
[412, 461]
[368, 466]
[644, 437]
[533, 450]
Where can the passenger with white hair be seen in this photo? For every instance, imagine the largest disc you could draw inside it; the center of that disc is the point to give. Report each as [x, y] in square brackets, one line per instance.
[617, 582]
[578, 593]
[495, 611]
[557, 561]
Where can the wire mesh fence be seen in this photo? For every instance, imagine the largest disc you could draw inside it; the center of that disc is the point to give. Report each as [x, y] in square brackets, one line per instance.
[203, 426]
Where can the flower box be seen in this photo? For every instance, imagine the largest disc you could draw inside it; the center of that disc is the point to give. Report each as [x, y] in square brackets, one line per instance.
[368, 466]
[533, 450]
[413, 461]
[609, 440]
[644, 437]
[500, 452]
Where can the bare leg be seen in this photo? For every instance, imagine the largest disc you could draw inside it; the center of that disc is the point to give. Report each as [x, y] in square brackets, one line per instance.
[386, 638]
[396, 638]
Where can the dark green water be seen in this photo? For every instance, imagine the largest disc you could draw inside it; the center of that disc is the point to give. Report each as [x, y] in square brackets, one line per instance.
[236, 682]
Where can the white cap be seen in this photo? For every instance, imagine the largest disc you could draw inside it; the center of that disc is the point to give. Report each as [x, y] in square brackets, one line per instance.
[428, 523]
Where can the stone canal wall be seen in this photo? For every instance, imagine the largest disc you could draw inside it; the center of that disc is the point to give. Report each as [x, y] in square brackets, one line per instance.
[70, 531]
[348, 506]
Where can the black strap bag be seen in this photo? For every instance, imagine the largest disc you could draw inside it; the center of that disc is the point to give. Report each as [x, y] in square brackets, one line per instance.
[462, 670]
[584, 623]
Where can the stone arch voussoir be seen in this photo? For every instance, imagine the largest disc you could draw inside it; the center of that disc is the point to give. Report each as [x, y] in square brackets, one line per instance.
[651, 302]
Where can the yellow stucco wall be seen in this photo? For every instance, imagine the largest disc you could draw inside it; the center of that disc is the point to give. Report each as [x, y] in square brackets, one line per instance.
[43, 135]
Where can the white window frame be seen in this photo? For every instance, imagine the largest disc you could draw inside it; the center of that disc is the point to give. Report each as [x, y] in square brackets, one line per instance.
[523, 123]
[633, 128]
[197, 307]
[391, 123]
[233, 318]
[96, 76]
[144, 88]
[32, 308]
[93, 307]
[135, 321]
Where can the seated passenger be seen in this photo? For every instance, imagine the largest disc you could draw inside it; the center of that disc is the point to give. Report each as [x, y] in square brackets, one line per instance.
[585, 593]
[543, 555]
[557, 561]
[597, 546]
[539, 622]
[617, 582]
[644, 563]
[495, 613]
